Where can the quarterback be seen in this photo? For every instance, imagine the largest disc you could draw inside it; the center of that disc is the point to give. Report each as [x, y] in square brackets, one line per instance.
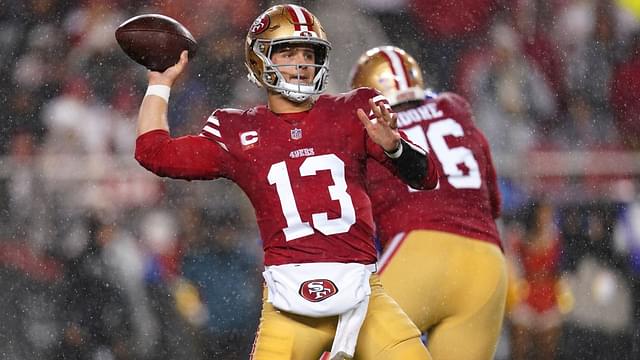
[301, 159]
[442, 259]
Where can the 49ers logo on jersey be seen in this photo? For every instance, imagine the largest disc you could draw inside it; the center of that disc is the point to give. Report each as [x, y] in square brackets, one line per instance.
[318, 289]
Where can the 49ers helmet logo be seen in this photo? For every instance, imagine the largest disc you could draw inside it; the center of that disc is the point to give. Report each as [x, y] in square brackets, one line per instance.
[260, 24]
[318, 289]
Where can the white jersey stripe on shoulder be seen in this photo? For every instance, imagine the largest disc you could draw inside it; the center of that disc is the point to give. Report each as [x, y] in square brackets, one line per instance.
[386, 105]
[302, 20]
[213, 131]
[214, 120]
[382, 98]
[398, 68]
[379, 98]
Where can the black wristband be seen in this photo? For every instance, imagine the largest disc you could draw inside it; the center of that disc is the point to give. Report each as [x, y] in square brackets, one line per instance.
[411, 164]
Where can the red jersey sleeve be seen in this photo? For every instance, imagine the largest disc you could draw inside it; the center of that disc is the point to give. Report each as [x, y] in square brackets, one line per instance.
[186, 157]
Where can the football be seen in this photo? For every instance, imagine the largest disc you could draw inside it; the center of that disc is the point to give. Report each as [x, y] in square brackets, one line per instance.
[155, 40]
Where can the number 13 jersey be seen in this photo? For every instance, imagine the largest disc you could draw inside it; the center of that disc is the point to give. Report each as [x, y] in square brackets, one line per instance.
[304, 174]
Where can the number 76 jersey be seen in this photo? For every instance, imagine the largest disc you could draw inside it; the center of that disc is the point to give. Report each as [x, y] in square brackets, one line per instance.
[304, 174]
[467, 199]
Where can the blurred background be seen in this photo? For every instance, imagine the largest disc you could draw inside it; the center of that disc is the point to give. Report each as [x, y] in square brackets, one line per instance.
[101, 260]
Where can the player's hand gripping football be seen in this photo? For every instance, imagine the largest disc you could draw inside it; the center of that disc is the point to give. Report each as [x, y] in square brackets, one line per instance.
[383, 129]
[169, 76]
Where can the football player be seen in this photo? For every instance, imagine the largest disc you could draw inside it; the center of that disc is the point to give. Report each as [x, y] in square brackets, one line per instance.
[301, 160]
[442, 259]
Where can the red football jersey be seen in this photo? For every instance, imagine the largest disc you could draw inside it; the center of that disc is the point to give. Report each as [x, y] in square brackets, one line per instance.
[304, 173]
[467, 199]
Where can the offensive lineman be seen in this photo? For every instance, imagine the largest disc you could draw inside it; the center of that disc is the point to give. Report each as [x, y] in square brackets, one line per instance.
[442, 259]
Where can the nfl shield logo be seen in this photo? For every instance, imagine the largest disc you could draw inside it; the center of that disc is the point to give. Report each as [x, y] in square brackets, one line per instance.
[296, 134]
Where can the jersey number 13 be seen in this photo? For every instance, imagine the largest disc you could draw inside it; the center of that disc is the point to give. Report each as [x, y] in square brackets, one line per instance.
[296, 228]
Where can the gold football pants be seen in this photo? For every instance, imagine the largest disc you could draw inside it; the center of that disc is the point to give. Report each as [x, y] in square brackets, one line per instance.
[453, 288]
[387, 333]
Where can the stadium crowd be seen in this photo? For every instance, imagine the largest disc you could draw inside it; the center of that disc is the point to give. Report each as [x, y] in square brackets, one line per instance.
[101, 260]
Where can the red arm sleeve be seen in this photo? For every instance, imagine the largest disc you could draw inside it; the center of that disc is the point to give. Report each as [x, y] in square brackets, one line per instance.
[187, 157]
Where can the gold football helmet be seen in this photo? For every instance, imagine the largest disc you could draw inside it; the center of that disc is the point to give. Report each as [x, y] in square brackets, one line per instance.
[391, 71]
[286, 24]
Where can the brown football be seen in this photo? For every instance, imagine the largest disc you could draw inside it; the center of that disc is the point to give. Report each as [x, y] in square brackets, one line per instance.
[155, 40]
